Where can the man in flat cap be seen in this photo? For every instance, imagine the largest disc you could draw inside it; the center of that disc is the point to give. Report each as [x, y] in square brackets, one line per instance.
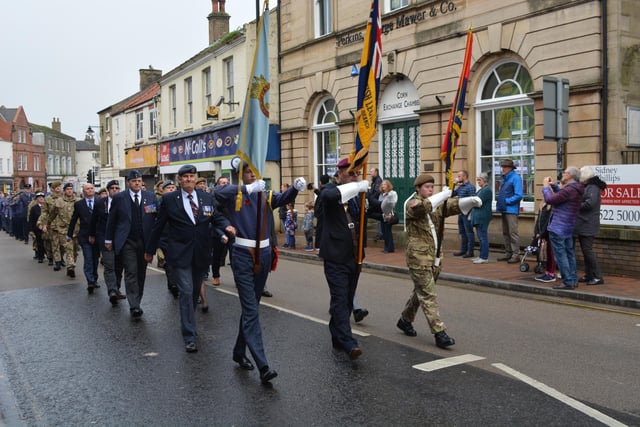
[131, 217]
[508, 204]
[252, 257]
[112, 264]
[188, 213]
[424, 221]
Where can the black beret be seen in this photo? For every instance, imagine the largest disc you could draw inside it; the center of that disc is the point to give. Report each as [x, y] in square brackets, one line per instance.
[27, 186]
[112, 183]
[187, 169]
[167, 183]
[67, 185]
[133, 174]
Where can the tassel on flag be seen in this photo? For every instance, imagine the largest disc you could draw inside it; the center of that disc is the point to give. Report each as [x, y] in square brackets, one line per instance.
[454, 127]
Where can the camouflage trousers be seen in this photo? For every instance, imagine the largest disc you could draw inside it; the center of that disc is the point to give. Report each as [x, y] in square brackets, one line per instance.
[57, 244]
[424, 295]
[70, 252]
[47, 245]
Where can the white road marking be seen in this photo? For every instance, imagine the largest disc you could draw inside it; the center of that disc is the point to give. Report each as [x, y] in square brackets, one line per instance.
[447, 362]
[295, 313]
[605, 419]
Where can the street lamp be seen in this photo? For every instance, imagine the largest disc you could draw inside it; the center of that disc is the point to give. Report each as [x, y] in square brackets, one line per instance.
[95, 171]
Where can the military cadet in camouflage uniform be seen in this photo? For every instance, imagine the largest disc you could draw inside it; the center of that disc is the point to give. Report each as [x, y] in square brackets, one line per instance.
[59, 216]
[423, 218]
[54, 252]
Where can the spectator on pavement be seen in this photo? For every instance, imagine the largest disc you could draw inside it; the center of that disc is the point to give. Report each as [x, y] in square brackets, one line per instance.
[481, 217]
[464, 188]
[508, 204]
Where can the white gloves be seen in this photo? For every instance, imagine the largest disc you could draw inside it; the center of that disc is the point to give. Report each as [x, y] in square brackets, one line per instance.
[350, 190]
[468, 203]
[438, 199]
[255, 186]
[300, 184]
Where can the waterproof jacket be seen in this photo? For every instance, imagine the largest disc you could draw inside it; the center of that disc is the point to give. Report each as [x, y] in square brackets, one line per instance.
[588, 223]
[510, 194]
[566, 204]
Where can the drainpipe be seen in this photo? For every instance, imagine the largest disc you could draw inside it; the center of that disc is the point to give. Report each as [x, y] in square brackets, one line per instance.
[605, 84]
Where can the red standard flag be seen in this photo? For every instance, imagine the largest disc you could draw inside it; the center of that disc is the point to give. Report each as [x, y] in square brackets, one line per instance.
[368, 89]
[450, 143]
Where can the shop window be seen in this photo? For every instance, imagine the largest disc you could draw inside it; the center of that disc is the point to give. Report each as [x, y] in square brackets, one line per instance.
[507, 126]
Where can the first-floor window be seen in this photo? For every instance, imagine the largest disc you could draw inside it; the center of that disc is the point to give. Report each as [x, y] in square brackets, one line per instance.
[326, 138]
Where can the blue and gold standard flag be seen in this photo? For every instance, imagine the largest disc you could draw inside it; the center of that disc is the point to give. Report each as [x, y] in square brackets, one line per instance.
[254, 129]
[454, 127]
[368, 89]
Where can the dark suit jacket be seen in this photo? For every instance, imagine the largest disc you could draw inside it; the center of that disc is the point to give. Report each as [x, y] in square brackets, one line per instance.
[98, 226]
[188, 244]
[36, 210]
[119, 221]
[336, 241]
[81, 211]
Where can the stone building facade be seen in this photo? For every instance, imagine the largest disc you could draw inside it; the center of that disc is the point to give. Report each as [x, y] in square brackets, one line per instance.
[593, 44]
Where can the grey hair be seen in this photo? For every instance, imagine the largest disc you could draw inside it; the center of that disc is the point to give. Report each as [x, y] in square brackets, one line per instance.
[483, 176]
[586, 173]
[574, 172]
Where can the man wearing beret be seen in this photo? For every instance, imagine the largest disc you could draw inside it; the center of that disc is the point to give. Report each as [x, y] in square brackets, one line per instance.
[112, 264]
[252, 257]
[338, 220]
[55, 220]
[131, 217]
[424, 219]
[508, 204]
[188, 213]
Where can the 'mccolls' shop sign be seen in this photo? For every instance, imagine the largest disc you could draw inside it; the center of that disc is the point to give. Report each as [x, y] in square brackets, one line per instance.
[402, 20]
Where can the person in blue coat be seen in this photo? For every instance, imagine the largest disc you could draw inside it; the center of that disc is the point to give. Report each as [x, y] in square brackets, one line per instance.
[132, 214]
[188, 213]
[508, 204]
[251, 258]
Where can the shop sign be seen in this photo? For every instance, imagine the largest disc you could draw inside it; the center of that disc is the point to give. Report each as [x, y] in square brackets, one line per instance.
[206, 146]
[620, 203]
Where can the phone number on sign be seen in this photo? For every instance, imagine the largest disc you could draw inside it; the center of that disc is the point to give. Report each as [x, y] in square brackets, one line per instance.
[620, 216]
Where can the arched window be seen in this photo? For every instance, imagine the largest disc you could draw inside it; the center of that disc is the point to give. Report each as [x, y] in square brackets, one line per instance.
[326, 137]
[507, 124]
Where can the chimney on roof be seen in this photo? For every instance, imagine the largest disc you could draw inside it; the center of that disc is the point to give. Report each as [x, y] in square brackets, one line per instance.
[149, 76]
[218, 21]
[56, 125]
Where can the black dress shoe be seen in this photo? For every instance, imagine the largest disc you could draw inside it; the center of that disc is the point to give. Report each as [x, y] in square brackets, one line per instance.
[360, 314]
[406, 327]
[191, 347]
[243, 362]
[443, 340]
[564, 287]
[71, 272]
[595, 281]
[459, 253]
[174, 291]
[205, 308]
[266, 374]
[583, 279]
[355, 353]
[113, 298]
[136, 313]
[468, 255]
[267, 294]
[90, 287]
[120, 295]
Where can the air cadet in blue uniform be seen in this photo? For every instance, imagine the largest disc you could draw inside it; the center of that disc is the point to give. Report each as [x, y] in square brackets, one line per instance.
[251, 259]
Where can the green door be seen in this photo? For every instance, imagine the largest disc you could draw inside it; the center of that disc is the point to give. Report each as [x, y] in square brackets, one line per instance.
[400, 158]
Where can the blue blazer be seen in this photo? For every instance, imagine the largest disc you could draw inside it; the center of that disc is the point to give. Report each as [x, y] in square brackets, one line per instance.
[119, 221]
[188, 244]
[81, 211]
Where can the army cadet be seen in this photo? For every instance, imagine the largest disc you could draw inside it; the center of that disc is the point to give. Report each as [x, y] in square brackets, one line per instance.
[423, 219]
[53, 250]
[59, 216]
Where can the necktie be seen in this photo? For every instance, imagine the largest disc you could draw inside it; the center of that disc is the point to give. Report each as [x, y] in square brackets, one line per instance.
[90, 201]
[135, 198]
[194, 208]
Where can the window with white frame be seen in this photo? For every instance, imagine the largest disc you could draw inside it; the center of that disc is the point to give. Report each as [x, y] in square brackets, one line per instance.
[391, 5]
[229, 82]
[322, 17]
[206, 85]
[153, 122]
[57, 166]
[63, 165]
[50, 164]
[36, 163]
[173, 106]
[69, 166]
[9, 166]
[326, 138]
[507, 126]
[188, 94]
[1, 171]
[107, 124]
[139, 125]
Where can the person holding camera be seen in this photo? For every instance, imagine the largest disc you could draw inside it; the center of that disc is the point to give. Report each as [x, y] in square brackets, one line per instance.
[565, 200]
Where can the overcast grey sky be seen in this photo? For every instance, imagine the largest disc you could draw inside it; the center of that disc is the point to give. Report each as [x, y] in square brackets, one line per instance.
[72, 58]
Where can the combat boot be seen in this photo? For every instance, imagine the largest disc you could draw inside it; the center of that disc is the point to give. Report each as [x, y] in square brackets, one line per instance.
[443, 340]
[406, 327]
[57, 267]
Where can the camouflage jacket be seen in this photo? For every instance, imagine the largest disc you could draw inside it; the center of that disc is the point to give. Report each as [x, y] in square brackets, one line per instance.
[47, 207]
[421, 247]
[58, 213]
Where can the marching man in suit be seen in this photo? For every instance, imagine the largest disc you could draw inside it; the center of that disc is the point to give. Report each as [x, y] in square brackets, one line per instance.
[131, 217]
[188, 213]
[83, 210]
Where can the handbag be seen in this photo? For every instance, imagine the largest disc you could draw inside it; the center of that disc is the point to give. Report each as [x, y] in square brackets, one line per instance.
[393, 219]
